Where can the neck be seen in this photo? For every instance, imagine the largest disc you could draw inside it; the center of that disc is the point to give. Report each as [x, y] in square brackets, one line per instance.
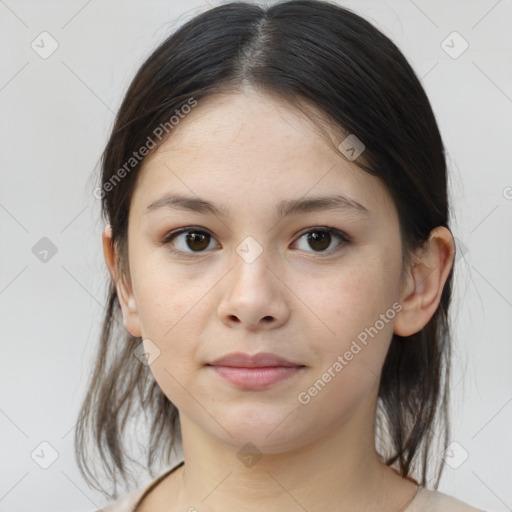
[337, 471]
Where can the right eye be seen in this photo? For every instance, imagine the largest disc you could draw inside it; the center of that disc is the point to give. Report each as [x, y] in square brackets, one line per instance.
[195, 239]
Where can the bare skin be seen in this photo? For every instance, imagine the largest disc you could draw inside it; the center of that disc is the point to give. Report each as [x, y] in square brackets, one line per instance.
[247, 152]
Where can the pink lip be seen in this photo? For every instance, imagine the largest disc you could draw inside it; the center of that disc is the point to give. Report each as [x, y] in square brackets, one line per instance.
[258, 371]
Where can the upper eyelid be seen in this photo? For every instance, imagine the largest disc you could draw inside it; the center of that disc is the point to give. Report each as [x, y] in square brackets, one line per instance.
[179, 231]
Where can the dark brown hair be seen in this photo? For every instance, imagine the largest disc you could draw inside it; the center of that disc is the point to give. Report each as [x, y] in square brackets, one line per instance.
[337, 67]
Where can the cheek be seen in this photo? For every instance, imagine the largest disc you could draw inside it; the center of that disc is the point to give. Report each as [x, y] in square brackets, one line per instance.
[168, 322]
[170, 307]
[165, 298]
[352, 345]
[355, 307]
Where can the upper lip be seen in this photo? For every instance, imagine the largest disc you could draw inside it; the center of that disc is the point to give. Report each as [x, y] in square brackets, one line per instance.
[241, 360]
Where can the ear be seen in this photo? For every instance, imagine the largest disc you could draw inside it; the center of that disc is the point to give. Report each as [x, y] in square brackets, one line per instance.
[124, 290]
[425, 281]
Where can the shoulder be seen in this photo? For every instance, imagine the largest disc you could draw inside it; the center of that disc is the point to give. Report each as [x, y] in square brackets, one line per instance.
[435, 501]
[125, 504]
[131, 501]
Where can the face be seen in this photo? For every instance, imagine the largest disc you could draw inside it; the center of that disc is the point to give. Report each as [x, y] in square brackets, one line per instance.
[317, 287]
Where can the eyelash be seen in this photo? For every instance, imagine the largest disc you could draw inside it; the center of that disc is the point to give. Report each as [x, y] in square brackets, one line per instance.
[344, 239]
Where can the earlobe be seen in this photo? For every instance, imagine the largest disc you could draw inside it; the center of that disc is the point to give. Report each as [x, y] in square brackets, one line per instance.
[124, 290]
[425, 282]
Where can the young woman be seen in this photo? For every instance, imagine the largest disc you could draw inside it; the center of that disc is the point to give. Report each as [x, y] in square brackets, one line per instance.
[281, 268]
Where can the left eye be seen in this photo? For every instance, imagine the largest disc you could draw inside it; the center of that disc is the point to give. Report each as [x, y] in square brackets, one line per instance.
[321, 238]
[198, 240]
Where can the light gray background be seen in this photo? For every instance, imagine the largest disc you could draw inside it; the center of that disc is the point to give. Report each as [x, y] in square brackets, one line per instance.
[55, 116]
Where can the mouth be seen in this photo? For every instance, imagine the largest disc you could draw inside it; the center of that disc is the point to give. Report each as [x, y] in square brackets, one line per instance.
[255, 372]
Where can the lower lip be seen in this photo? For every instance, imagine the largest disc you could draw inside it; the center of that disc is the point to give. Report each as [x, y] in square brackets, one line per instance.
[256, 378]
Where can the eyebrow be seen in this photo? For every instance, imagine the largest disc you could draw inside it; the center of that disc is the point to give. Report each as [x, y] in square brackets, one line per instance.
[283, 209]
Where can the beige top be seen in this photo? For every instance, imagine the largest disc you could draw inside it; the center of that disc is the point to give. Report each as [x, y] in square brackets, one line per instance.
[424, 500]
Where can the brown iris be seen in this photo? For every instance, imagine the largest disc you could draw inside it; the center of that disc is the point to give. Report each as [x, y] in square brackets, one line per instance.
[319, 239]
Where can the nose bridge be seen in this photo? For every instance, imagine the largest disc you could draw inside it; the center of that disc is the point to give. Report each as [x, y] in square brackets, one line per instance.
[250, 261]
[250, 250]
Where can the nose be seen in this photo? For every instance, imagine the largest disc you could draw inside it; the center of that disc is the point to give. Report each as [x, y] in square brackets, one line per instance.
[254, 296]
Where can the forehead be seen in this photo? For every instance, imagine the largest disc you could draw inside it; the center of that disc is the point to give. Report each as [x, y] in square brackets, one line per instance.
[256, 146]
